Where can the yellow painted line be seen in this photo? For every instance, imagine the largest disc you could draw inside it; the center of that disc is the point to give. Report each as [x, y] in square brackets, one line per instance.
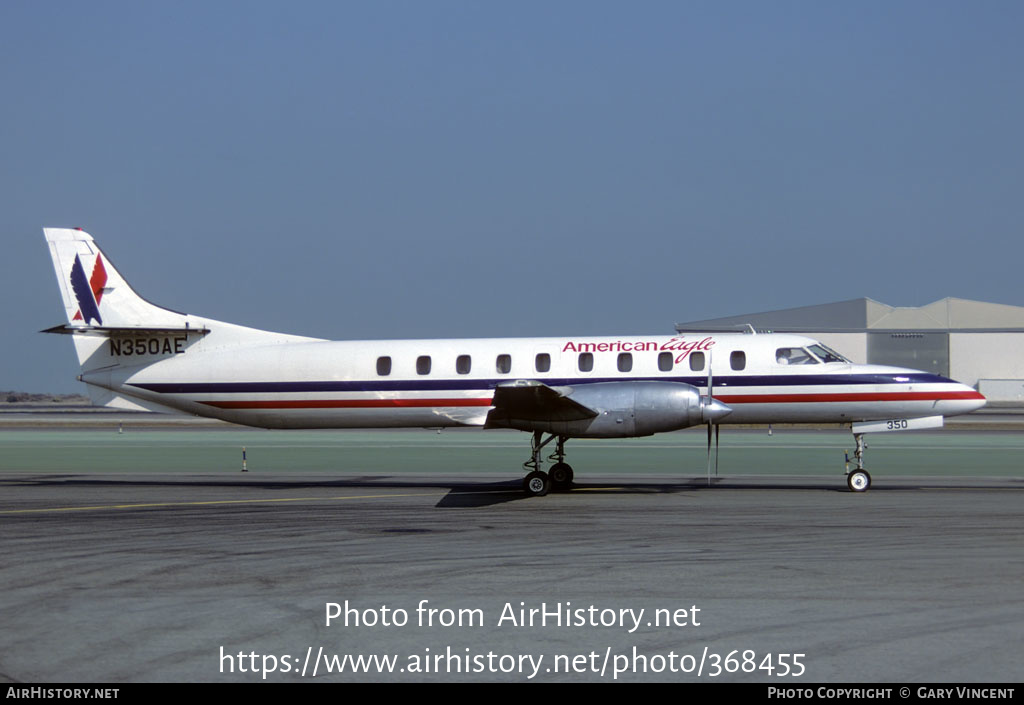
[150, 505]
[975, 489]
[209, 502]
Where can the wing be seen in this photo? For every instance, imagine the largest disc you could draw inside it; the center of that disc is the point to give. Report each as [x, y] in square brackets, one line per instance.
[530, 400]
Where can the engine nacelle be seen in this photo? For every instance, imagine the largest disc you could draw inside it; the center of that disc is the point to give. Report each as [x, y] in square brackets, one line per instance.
[627, 409]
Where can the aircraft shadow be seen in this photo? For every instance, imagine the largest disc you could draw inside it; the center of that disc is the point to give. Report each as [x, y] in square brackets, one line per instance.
[471, 494]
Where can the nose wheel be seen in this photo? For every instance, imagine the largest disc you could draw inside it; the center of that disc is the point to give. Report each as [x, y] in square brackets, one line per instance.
[858, 481]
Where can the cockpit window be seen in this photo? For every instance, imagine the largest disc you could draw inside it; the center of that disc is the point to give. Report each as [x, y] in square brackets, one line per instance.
[794, 356]
[827, 354]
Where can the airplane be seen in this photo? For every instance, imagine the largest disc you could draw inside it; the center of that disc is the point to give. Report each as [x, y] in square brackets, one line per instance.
[136, 355]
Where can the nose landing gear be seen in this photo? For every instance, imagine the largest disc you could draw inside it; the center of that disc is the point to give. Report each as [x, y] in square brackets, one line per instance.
[858, 480]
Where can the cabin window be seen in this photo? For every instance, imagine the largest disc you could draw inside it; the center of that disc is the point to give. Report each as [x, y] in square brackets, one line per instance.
[463, 364]
[423, 365]
[665, 361]
[697, 361]
[384, 366]
[737, 360]
[625, 362]
[586, 362]
[543, 362]
[503, 364]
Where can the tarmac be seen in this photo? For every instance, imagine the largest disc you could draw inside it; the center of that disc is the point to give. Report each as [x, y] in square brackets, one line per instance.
[419, 553]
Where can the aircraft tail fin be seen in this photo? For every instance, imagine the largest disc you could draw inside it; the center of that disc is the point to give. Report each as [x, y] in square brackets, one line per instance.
[113, 327]
[94, 293]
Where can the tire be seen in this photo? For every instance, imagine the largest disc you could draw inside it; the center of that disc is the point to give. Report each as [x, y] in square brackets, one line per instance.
[858, 481]
[536, 484]
[561, 476]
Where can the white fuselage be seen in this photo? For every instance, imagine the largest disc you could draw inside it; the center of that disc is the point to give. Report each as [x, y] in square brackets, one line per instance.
[434, 383]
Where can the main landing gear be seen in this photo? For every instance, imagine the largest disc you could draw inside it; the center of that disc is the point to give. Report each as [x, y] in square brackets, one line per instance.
[858, 480]
[559, 478]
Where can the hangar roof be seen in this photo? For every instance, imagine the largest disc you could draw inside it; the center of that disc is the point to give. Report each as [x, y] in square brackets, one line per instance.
[860, 315]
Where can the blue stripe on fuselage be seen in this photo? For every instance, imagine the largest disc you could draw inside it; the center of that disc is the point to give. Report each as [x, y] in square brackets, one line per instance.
[430, 385]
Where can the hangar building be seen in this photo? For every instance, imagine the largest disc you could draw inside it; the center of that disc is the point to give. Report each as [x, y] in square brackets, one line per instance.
[974, 342]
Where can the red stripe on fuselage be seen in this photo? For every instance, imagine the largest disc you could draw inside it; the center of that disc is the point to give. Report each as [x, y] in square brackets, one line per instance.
[850, 397]
[346, 403]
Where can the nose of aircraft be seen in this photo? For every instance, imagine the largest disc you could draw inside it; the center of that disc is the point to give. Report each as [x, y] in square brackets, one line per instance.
[976, 400]
[714, 410]
[963, 400]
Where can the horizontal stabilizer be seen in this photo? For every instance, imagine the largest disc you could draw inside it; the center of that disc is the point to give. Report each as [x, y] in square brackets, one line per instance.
[118, 331]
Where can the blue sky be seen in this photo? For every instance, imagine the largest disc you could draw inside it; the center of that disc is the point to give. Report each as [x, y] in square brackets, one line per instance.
[438, 169]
